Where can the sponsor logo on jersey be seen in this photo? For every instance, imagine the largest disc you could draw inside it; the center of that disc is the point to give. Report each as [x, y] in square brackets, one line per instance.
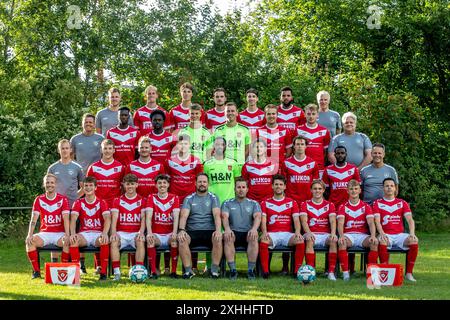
[130, 206]
[390, 209]
[122, 137]
[339, 175]
[50, 208]
[317, 212]
[106, 172]
[161, 206]
[162, 142]
[145, 171]
[299, 169]
[92, 211]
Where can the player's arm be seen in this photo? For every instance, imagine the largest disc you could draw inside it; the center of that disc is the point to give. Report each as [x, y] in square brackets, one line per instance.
[184, 214]
[141, 234]
[372, 228]
[253, 232]
[380, 230]
[217, 235]
[367, 159]
[176, 219]
[114, 217]
[263, 226]
[32, 226]
[297, 226]
[148, 221]
[307, 234]
[411, 226]
[332, 220]
[73, 225]
[106, 226]
[226, 225]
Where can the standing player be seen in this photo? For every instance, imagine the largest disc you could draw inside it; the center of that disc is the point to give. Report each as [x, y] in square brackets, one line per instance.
[356, 227]
[142, 120]
[161, 140]
[125, 138]
[372, 176]
[241, 218]
[328, 118]
[389, 213]
[95, 221]
[127, 224]
[258, 172]
[217, 115]
[289, 115]
[279, 213]
[318, 218]
[53, 211]
[252, 117]
[86, 145]
[163, 210]
[317, 135]
[179, 116]
[279, 139]
[108, 117]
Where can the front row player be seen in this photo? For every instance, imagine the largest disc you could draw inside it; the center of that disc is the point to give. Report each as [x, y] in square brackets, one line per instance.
[278, 215]
[163, 210]
[95, 221]
[318, 218]
[356, 227]
[128, 224]
[53, 211]
[389, 212]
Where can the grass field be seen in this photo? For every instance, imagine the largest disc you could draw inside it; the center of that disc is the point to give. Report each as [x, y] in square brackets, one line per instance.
[432, 272]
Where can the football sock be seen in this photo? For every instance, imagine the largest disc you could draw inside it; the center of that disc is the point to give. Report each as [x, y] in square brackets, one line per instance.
[332, 258]
[104, 258]
[174, 258]
[139, 263]
[343, 259]
[373, 256]
[65, 256]
[411, 257]
[311, 259]
[251, 266]
[33, 257]
[188, 269]
[167, 260]
[264, 256]
[214, 268]
[383, 253]
[151, 252]
[97, 259]
[232, 265]
[299, 255]
[74, 254]
[116, 266]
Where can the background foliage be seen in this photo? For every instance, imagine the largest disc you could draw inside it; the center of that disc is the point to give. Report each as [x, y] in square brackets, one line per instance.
[396, 78]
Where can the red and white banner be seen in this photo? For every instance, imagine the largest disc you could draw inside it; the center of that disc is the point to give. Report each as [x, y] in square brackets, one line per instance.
[384, 275]
[62, 273]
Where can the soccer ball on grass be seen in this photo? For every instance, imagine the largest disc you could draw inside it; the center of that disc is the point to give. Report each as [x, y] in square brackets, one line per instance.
[306, 274]
[138, 274]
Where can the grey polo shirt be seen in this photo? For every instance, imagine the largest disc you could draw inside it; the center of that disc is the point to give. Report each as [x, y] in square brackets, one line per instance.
[331, 120]
[240, 214]
[200, 214]
[355, 144]
[86, 149]
[372, 181]
[69, 177]
[107, 119]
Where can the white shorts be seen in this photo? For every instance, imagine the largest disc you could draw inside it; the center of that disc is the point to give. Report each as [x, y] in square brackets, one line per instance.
[164, 239]
[127, 239]
[280, 238]
[50, 237]
[91, 237]
[357, 239]
[321, 238]
[397, 240]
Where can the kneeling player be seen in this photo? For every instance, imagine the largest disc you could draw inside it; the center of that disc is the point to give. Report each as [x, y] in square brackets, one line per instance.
[355, 221]
[318, 218]
[163, 210]
[389, 212]
[128, 224]
[53, 210]
[95, 221]
[278, 213]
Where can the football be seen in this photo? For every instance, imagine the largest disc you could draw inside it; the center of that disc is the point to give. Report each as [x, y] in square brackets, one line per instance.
[138, 274]
[306, 274]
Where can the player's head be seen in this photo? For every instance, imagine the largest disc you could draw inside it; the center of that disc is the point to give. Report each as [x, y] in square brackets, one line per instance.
[130, 183]
[195, 111]
[184, 143]
[49, 182]
[219, 97]
[219, 146]
[108, 148]
[151, 94]
[353, 189]
[252, 97]
[114, 96]
[124, 115]
[340, 153]
[278, 184]
[259, 147]
[240, 187]
[162, 183]
[317, 189]
[286, 96]
[323, 99]
[271, 113]
[186, 91]
[312, 113]
[88, 122]
[201, 182]
[144, 146]
[89, 186]
[157, 117]
[349, 122]
[378, 152]
[389, 187]
[64, 148]
[299, 145]
[232, 112]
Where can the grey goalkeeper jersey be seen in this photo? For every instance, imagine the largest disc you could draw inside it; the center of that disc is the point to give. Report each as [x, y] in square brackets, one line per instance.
[86, 149]
[240, 213]
[69, 177]
[200, 211]
[372, 181]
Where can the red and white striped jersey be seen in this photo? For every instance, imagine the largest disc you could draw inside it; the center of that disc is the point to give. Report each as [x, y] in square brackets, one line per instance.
[391, 213]
[109, 178]
[259, 178]
[355, 217]
[146, 173]
[252, 120]
[299, 175]
[162, 217]
[278, 140]
[142, 121]
[280, 214]
[179, 117]
[125, 143]
[162, 145]
[337, 179]
[291, 118]
[130, 213]
[51, 212]
[214, 119]
[318, 215]
[90, 215]
[318, 141]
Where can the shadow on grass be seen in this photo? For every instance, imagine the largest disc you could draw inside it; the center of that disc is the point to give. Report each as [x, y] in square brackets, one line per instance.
[16, 296]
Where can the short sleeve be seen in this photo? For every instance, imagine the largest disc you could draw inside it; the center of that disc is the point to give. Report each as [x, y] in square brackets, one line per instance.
[36, 206]
[176, 202]
[76, 207]
[367, 142]
[104, 207]
[187, 203]
[225, 207]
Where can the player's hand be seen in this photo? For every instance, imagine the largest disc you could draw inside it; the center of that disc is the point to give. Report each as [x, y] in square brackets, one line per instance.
[413, 238]
[252, 234]
[29, 240]
[104, 239]
[298, 236]
[150, 239]
[333, 238]
[228, 235]
[373, 240]
[66, 239]
[182, 236]
[309, 236]
[265, 237]
[114, 237]
[173, 237]
[140, 236]
[384, 238]
[74, 239]
[342, 241]
[217, 236]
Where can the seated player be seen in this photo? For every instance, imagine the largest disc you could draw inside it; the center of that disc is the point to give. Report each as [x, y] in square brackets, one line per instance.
[279, 213]
[163, 210]
[53, 211]
[95, 221]
[318, 218]
[241, 218]
[356, 227]
[389, 213]
[127, 224]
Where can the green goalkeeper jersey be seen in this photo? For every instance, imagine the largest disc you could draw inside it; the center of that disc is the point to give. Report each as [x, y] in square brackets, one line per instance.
[237, 138]
[221, 174]
[200, 138]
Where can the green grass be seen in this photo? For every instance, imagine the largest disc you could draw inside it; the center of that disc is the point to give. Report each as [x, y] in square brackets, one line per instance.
[432, 273]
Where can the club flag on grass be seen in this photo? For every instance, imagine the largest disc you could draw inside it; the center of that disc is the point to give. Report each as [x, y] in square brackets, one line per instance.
[62, 273]
[384, 275]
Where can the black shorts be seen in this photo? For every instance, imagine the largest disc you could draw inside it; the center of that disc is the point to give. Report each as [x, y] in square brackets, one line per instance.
[201, 238]
[240, 239]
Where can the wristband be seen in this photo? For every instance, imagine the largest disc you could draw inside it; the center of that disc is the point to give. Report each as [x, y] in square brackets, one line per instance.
[181, 230]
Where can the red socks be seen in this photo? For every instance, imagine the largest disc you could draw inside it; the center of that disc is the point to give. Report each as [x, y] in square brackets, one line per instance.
[343, 259]
[332, 258]
[373, 256]
[151, 252]
[264, 256]
[299, 254]
[104, 258]
[411, 257]
[65, 256]
[311, 259]
[115, 264]
[97, 259]
[74, 254]
[383, 252]
[33, 257]
[174, 258]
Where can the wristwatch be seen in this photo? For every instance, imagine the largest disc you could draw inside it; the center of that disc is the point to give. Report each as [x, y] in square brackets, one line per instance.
[181, 229]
